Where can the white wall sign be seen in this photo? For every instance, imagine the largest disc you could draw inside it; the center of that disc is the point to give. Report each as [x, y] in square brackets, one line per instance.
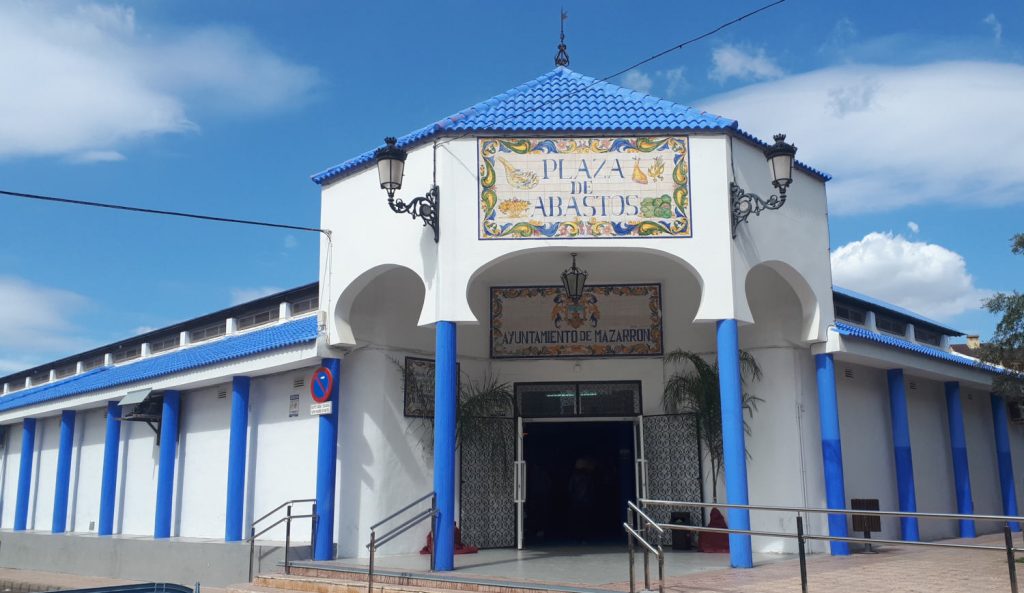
[609, 320]
[584, 188]
[293, 405]
[321, 409]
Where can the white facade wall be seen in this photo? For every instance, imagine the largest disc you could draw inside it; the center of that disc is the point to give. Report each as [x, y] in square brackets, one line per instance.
[137, 480]
[44, 473]
[202, 463]
[11, 464]
[933, 461]
[282, 450]
[981, 454]
[87, 471]
[866, 430]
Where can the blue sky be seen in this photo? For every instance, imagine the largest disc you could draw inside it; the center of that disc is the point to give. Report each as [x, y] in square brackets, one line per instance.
[917, 112]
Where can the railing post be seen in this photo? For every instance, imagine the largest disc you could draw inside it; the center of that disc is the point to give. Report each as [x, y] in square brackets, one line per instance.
[647, 567]
[312, 529]
[287, 537]
[433, 531]
[803, 554]
[252, 549]
[661, 570]
[1011, 565]
[373, 551]
[632, 559]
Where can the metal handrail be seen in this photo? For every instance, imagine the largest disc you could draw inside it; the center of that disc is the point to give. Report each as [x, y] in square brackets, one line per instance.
[287, 520]
[376, 542]
[801, 537]
[636, 523]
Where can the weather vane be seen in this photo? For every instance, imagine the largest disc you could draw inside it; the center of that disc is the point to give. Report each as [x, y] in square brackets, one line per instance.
[562, 58]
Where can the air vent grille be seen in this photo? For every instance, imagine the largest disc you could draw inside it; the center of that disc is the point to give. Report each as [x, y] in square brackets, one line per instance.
[913, 386]
[222, 393]
[848, 373]
[298, 382]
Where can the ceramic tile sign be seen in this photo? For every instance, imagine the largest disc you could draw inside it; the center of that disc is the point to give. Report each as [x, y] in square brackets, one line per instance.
[584, 188]
[609, 320]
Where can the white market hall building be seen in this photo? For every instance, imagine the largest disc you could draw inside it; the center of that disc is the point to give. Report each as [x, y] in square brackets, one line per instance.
[186, 434]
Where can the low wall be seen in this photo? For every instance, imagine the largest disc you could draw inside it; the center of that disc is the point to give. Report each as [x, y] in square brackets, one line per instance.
[178, 560]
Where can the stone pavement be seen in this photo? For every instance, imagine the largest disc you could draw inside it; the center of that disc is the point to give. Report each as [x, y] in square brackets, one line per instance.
[895, 569]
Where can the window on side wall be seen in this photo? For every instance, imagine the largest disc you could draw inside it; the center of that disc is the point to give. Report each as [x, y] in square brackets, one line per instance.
[891, 325]
[208, 332]
[927, 336]
[851, 314]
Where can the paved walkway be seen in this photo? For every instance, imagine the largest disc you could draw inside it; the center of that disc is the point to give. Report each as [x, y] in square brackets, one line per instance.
[901, 569]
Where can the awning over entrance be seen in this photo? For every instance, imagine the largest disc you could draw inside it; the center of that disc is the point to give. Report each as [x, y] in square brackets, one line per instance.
[135, 397]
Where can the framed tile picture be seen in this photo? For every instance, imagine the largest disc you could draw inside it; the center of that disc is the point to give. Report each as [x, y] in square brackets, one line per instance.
[419, 386]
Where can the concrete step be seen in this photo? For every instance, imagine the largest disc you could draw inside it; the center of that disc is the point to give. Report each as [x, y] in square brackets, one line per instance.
[323, 578]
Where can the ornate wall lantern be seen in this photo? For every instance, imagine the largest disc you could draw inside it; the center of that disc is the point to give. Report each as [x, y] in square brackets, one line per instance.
[780, 158]
[391, 169]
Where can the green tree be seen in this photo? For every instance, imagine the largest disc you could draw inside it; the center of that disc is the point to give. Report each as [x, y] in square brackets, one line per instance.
[1007, 344]
[692, 387]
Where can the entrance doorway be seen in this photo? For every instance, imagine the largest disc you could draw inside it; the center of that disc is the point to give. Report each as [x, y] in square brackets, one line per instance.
[579, 477]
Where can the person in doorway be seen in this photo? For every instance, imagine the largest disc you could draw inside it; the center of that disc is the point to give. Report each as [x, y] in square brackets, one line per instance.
[582, 499]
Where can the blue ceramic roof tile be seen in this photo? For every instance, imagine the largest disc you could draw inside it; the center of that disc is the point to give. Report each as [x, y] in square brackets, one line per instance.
[872, 301]
[561, 101]
[230, 348]
[846, 329]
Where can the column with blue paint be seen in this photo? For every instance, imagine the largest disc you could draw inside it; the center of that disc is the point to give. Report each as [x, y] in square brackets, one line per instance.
[958, 450]
[831, 451]
[730, 385]
[60, 493]
[326, 468]
[901, 451]
[169, 418]
[28, 445]
[237, 438]
[1001, 425]
[108, 481]
[445, 399]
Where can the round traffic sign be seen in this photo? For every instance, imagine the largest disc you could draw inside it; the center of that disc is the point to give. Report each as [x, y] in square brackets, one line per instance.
[321, 385]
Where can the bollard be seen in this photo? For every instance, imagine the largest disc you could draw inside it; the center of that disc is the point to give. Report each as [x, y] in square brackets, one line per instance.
[803, 554]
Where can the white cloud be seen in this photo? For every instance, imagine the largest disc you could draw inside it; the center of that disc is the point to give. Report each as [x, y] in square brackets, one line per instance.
[729, 61]
[923, 277]
[895, 136]
[638, 81]
[142, 329]
[914, 227]
[91, 78]
[36, 323]
[675, 80]
[244, 295]
[997, 27]
[290, 242]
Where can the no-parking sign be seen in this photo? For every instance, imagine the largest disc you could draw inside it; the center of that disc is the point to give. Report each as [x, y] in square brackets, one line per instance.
[321, 385]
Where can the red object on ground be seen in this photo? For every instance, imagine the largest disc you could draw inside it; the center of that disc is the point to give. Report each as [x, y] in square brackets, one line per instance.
[714, 542]
[460, 548]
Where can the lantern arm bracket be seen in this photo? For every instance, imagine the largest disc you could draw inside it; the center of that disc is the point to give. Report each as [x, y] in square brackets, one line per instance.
[745, 203]
[426, 207]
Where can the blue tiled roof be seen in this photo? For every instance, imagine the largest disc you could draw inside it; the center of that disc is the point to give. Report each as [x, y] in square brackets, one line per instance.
[846, 329]
[872, 301]
[226, 349]
[562, 101]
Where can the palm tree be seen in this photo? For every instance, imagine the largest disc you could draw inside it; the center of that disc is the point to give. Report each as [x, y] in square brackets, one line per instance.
[695, 390]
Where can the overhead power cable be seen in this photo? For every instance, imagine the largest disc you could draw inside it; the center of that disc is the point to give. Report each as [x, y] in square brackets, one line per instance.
[646, 60]
[58, 200]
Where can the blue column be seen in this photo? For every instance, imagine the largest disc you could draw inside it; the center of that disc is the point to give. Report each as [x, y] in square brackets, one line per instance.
[326, 469]
[1002, 432]
[901, 450]
[733, 444]
[60, 494]
[445, 398]
[28, 446]
[831, 450]
[108, 484]
[165, 470]
[236, 458]
[958, 447]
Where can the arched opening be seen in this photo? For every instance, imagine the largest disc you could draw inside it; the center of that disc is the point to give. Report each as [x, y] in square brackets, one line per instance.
[379, 306]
